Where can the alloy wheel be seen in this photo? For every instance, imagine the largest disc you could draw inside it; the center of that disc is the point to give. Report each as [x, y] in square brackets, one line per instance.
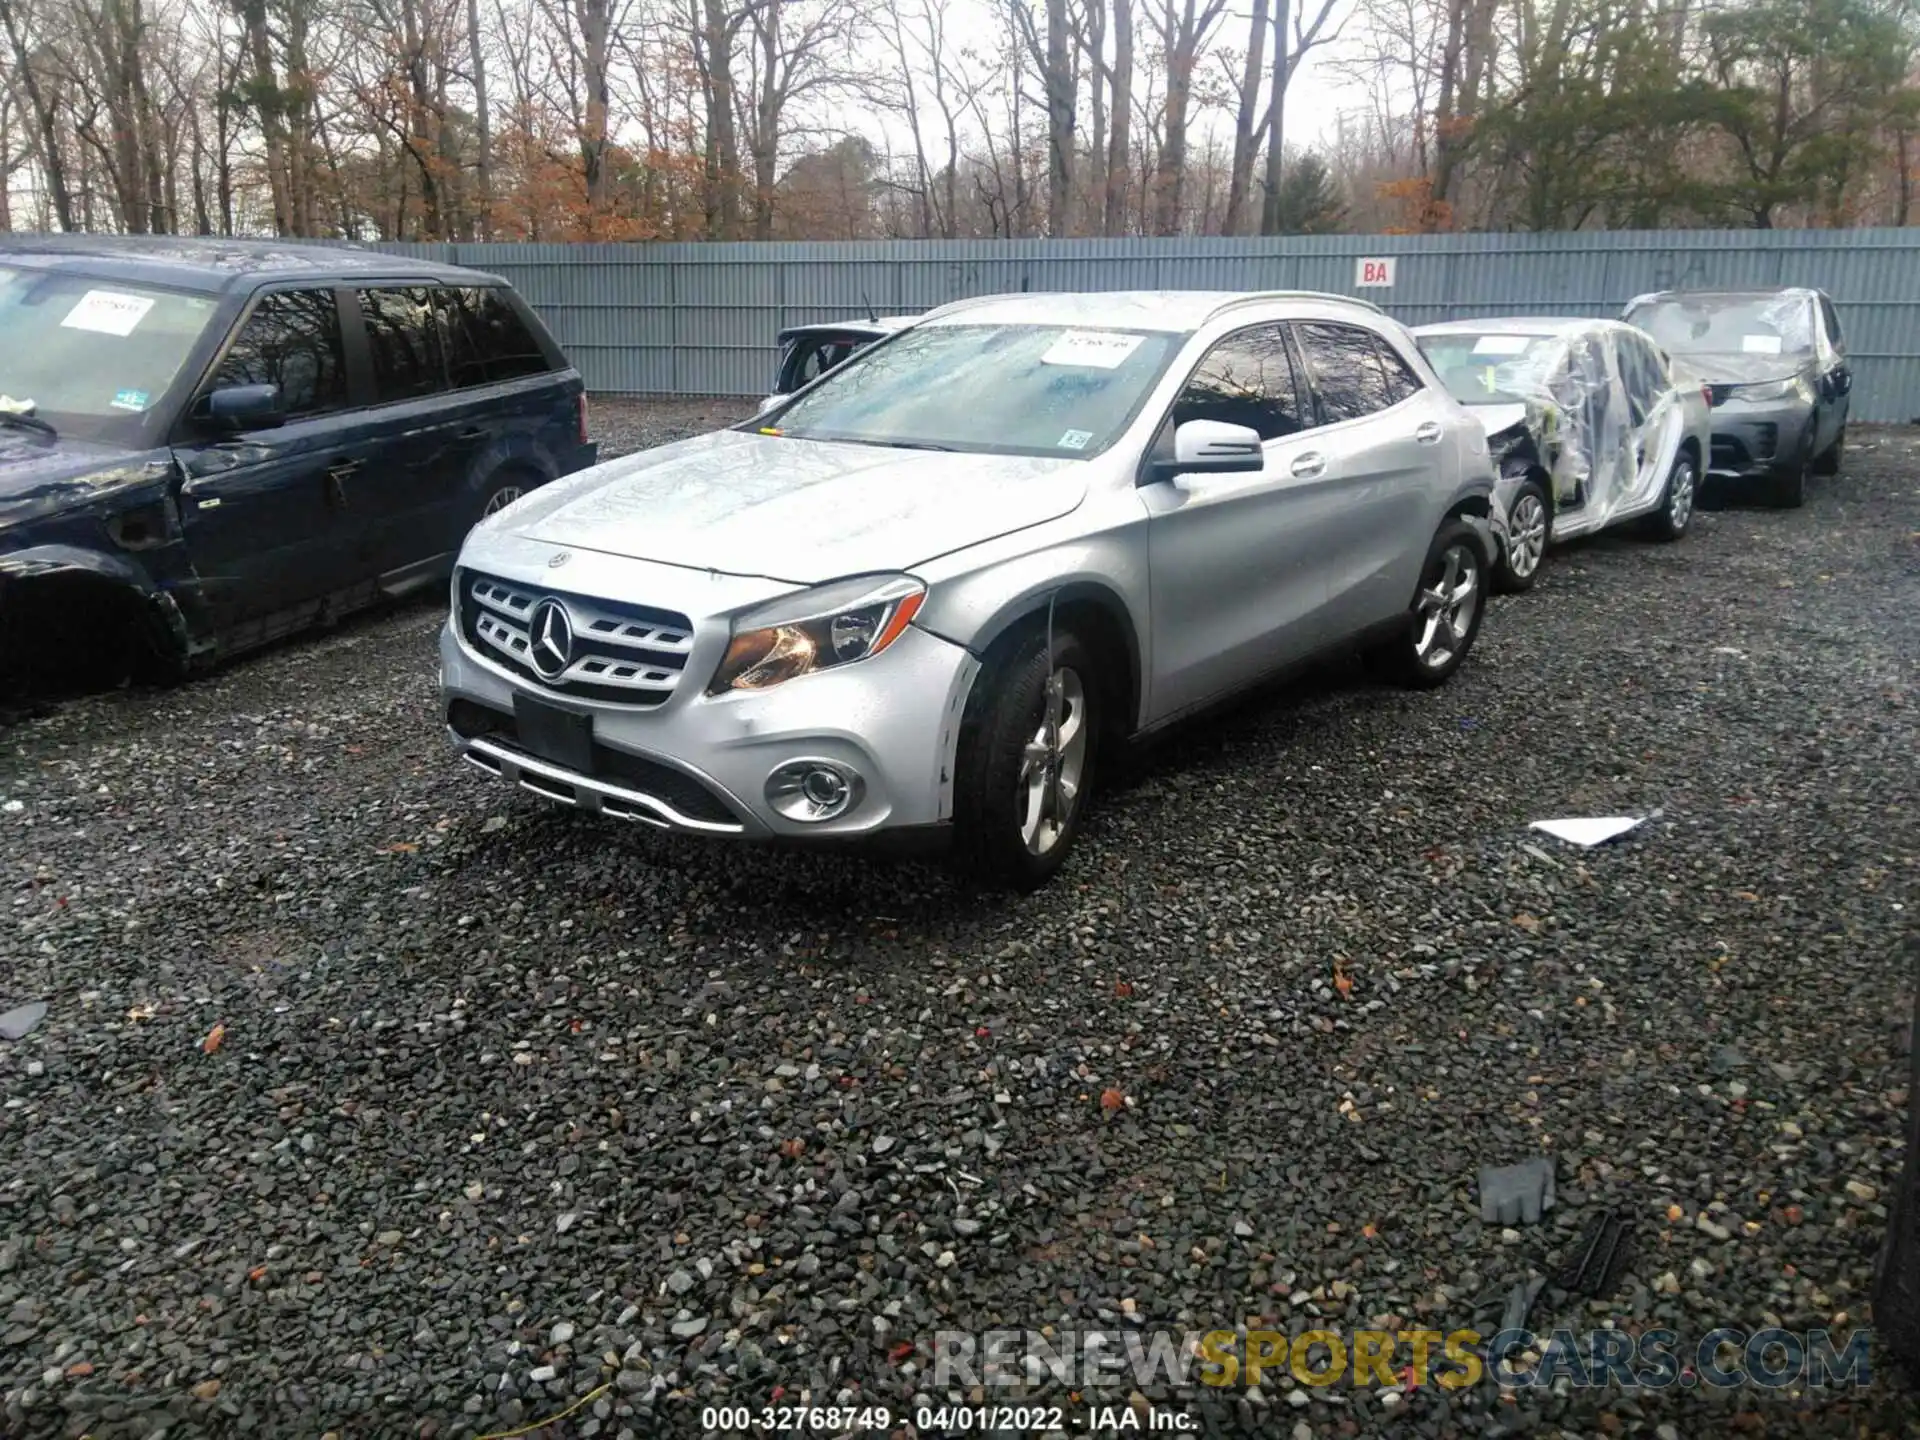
[1526, 535]
[1054, 763]
[1680, 496]
[502, 498]
[1446, 605]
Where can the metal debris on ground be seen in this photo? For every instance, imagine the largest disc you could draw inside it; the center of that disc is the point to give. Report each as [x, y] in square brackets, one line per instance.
[1597, 1257]
[1516, 1194]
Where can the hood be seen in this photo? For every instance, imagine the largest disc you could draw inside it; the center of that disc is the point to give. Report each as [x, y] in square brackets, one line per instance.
[1496, 418]
[802, 511]
[1721, 368]
[39, 476]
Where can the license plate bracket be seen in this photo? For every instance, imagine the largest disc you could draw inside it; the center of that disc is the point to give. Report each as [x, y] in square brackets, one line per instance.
[563, 737]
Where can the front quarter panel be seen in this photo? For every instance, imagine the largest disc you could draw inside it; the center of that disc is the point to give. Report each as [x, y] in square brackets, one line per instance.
[975, 596]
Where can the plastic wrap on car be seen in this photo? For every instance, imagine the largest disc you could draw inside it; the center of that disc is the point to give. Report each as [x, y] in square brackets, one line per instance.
[1577, 410]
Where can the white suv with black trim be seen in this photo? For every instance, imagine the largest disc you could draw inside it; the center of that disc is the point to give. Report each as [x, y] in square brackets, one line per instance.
[931, 589]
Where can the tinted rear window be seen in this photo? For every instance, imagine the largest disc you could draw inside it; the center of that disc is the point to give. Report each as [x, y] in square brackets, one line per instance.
[486, 338]
[403, 342]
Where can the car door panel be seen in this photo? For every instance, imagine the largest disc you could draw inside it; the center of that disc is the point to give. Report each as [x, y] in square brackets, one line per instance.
[403, 503]
[1387, 433]
[1238, 587]
[264, 512]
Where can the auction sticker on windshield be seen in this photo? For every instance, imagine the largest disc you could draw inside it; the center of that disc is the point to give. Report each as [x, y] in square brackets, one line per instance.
[108, 312]
[1075, 439]
[1091, 350]
[130, 399]
[1502, 344]
[1760, 344]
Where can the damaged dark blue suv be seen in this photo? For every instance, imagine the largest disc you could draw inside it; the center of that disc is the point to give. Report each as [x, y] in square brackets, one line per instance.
[205, 444]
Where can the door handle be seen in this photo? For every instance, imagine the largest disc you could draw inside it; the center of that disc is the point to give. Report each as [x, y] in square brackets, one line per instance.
[1428, 432]
[472, 432]
[1305, 467]
[338, 474]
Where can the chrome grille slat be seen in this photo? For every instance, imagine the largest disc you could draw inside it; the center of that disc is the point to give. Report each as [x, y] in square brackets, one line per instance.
[626, 655]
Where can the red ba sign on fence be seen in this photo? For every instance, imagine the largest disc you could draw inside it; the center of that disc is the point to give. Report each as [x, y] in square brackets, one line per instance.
[1374, 274]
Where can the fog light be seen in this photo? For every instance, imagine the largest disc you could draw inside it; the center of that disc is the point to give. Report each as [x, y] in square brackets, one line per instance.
[813, 790]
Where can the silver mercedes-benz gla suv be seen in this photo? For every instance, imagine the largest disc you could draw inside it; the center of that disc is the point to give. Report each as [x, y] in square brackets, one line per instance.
[931, 589]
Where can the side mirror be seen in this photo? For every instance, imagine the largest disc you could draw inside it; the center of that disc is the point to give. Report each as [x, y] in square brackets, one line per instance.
[245, 407]
[1212, 447]
[768, 403]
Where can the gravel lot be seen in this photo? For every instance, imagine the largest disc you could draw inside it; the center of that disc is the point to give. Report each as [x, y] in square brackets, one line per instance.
[377, 1099]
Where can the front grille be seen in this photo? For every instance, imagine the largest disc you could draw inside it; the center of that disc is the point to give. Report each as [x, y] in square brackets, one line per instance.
[622, 654]
[472, 721]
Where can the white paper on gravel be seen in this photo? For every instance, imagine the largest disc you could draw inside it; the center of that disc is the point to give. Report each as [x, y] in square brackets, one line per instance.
[1590, 830]
[1091, 350]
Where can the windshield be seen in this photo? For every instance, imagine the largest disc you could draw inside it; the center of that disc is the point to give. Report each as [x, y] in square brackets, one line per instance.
[1729, 324]
[1492, 368]
[995, 389]
[92, 356]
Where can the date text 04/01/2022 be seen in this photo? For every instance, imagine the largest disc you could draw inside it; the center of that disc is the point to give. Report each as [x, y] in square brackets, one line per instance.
[1047, 1419]
[942, 1419]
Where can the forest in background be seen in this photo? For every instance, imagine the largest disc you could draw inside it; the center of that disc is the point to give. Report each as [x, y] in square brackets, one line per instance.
[561, 120]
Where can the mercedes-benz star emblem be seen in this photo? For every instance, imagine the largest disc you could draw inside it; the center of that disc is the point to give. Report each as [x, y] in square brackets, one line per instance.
[550, 639]
[558, 558]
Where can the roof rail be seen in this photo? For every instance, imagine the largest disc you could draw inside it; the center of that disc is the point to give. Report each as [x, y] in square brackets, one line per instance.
[968, 303]
[1259, 297]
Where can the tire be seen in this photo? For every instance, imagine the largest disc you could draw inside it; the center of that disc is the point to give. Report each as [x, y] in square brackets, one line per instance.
[1670, 521]
[1424, 654]
[1529, 532]
[1790, 486]
[1896, 1276]
[1010, 827]
[1828, 462]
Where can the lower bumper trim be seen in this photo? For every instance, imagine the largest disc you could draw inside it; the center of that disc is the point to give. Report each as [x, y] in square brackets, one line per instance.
[566, 787]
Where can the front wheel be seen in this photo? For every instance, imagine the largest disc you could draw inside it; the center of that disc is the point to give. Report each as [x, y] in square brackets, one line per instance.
[1670, 521]
[1529, 527]
[1026, 757]
[1444, 619]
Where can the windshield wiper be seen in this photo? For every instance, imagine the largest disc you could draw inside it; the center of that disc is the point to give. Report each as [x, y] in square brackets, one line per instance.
[869, 440]
[25, 421]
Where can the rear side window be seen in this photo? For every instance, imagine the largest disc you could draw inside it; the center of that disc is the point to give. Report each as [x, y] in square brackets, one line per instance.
[291, 339]
[1246, 379]
[487, 340]
[403, 342]
[1402, 383]
[1346, 371]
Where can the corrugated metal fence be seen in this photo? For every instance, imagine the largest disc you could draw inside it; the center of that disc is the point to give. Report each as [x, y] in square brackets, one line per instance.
[692, 319]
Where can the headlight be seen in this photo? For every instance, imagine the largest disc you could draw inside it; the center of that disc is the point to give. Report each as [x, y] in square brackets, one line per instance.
[1771, 390]
[818, 629]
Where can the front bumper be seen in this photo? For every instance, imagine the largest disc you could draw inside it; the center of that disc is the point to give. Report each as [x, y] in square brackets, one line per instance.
[1751, 441]
[700, 764]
